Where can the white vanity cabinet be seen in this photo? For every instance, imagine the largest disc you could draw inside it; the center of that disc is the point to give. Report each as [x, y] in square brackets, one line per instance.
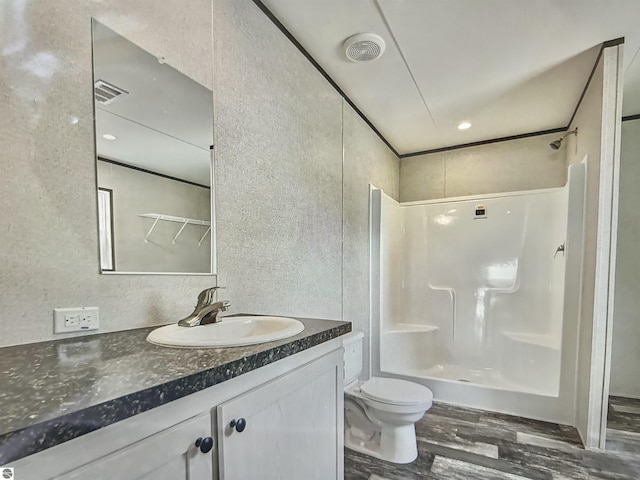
[286, 429]
[170, 454]
[283, 421]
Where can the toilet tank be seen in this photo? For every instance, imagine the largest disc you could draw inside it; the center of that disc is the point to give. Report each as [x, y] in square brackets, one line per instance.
[352, 343]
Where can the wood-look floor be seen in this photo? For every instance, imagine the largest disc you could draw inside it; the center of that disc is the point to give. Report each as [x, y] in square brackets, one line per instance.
[465, 444]
[623, 426]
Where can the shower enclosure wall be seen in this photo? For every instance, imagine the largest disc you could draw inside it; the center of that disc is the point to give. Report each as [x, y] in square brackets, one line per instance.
[470, 295]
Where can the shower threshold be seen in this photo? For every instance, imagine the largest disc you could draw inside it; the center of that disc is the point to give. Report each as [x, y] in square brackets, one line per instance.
[488, 378]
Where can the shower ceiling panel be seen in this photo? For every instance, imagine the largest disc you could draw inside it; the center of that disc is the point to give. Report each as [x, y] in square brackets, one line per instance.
[509, 67]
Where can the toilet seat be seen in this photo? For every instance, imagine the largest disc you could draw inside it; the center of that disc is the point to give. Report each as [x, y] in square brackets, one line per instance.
[392, 391]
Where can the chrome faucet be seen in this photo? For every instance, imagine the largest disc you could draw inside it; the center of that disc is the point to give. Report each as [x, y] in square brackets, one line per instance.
[206, 311]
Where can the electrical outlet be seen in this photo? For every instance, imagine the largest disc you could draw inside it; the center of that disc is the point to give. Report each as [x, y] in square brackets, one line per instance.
[75, 319]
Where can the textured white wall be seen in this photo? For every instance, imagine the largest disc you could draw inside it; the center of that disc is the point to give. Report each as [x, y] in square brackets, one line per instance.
[136, 192]
[49, 253]
[524, 164]
[278, 134]
[625, 352]
[367, 160]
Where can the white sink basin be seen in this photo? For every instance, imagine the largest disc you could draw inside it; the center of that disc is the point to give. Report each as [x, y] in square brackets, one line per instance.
[230, 332]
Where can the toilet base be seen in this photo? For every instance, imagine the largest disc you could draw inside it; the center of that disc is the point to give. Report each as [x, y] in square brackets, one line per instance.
[396, 445]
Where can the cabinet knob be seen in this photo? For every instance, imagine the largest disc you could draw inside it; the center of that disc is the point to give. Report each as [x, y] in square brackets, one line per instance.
[205, 444]
[239, 424]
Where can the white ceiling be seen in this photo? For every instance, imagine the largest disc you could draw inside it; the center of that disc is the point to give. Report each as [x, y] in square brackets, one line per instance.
[165, 122]
[507, 66]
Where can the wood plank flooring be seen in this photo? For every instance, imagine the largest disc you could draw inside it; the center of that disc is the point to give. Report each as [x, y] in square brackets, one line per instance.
[465, 444]
[623, 426]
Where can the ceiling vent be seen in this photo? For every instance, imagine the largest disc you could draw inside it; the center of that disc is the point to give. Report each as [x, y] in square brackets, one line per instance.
[363, 47]
[106, 93]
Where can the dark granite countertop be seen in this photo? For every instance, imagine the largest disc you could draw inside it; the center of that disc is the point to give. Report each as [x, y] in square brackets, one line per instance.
[52, 392]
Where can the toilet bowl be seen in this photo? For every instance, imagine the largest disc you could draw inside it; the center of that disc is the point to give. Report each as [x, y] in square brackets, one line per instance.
[380, 413]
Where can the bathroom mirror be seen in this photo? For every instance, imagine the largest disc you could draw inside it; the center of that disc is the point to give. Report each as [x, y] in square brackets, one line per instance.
[154, 131]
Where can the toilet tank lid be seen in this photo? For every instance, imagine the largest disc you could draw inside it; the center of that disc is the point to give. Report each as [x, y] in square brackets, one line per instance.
[352, 336]
[397, 392]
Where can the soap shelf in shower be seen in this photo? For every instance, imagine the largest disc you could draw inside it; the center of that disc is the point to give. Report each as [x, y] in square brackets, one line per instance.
[183, 220]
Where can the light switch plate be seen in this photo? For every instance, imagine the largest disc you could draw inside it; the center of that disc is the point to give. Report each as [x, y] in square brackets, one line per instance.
[78, 319]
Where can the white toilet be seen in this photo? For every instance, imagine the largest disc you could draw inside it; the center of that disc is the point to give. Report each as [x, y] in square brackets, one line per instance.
[380, 414]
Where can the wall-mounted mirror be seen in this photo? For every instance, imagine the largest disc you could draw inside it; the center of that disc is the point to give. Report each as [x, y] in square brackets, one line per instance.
[154, 131]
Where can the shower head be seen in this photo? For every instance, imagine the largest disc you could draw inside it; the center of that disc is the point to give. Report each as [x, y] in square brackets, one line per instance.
[556, 144]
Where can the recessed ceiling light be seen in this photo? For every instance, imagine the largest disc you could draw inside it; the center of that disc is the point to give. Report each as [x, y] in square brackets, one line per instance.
[464, 125]
[108, 136]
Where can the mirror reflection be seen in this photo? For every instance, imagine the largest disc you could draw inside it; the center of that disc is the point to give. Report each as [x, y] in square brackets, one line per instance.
[154, 129]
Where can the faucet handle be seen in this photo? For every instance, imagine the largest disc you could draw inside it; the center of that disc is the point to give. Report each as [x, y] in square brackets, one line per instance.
[214, 290]
[207, 295]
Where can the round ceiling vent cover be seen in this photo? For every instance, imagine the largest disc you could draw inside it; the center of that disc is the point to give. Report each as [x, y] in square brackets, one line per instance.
[363, 47]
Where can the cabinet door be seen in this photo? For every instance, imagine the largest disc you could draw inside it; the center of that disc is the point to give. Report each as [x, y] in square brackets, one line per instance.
[168, 455]
[290, 428]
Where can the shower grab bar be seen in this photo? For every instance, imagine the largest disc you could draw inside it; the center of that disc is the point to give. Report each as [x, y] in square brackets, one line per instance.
[558, 250]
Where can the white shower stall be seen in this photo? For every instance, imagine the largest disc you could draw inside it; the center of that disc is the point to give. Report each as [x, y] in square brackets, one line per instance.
[468, 295]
